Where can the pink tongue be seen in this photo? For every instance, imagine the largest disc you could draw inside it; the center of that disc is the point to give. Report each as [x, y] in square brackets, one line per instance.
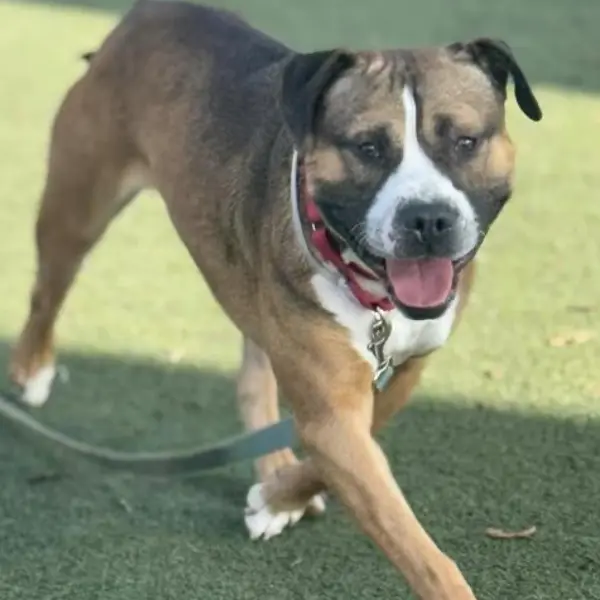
[421, 283]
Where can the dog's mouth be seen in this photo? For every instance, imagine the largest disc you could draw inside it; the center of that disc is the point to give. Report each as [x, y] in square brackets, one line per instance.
[422, 288]
[420, 283]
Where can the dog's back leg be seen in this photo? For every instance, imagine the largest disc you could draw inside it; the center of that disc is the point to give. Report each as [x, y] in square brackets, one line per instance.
[92, 174]
[258, 404]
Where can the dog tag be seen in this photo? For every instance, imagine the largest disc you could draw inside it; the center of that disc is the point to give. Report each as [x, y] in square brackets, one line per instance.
[380, 333]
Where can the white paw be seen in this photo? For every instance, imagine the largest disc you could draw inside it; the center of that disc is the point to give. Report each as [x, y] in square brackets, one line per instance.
[37, 389]
[264, 522]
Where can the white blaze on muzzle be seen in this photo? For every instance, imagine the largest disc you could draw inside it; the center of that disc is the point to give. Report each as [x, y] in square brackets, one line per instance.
[417, 179]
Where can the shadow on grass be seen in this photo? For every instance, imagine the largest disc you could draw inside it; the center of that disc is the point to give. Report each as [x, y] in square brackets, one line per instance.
[555, 40]
[463, 469]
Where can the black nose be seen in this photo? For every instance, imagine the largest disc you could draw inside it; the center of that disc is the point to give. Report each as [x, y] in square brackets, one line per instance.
[429, 222]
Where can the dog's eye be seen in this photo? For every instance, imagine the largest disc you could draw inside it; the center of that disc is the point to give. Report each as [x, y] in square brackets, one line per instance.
[466, 145]
[372, 147]
[370, 150]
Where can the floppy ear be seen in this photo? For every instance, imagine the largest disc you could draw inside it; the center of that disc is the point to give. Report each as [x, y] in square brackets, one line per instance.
[306, 79]
[496, 58]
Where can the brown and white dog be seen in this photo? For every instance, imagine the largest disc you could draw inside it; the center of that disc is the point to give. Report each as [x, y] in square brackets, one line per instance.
[326, 198]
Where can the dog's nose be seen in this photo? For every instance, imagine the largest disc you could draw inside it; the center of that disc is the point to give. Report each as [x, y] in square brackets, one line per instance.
[429, 222]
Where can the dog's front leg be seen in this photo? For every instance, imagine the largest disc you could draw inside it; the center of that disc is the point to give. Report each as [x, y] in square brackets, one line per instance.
[334, 409]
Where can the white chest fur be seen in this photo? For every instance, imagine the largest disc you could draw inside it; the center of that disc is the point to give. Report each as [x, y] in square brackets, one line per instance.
[408, 338]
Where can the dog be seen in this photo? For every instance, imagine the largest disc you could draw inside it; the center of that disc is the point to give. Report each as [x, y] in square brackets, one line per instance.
[334, 202]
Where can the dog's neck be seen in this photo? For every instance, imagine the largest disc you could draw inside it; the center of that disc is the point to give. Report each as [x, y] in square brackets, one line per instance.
[327, 253]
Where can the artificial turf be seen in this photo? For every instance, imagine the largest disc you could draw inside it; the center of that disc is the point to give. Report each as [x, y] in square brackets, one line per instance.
[504, 432]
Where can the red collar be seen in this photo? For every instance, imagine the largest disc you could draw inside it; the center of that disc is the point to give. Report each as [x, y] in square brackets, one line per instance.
[329, 250]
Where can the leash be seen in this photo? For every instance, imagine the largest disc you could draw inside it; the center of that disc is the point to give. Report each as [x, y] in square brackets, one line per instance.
[188, 462]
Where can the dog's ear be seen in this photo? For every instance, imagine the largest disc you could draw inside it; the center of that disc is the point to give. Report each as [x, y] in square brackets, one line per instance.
[305, 81]
[496, 58]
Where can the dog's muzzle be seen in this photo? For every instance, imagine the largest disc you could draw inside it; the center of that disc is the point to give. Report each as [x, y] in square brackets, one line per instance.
[431, 243]
[429, 230]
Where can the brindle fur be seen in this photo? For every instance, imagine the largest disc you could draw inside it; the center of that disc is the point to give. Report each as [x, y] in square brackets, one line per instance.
[186, 99]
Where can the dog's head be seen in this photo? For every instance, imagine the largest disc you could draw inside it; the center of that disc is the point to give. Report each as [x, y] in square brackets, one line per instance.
[407, 156]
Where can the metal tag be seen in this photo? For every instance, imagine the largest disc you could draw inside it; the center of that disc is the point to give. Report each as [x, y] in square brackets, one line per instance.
[380, 333]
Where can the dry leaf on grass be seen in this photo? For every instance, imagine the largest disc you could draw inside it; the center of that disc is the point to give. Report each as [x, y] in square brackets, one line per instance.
[501, 534]
[572, 338]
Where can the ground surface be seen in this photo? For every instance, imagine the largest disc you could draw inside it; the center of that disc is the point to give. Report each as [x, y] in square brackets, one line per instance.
[505, 431]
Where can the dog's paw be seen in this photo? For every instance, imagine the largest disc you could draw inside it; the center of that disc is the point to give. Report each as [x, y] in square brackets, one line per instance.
[36, 389]
[264, 522]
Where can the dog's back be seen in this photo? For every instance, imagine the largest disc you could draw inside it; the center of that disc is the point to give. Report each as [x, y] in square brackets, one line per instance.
[168, 57]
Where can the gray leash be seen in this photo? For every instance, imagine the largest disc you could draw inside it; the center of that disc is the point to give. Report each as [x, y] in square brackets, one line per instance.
[246, 446]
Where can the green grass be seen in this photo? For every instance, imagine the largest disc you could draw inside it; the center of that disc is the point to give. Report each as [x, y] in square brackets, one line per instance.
[151, 357]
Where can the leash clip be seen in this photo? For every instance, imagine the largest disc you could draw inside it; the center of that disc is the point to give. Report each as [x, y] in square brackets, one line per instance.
[380, 334]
